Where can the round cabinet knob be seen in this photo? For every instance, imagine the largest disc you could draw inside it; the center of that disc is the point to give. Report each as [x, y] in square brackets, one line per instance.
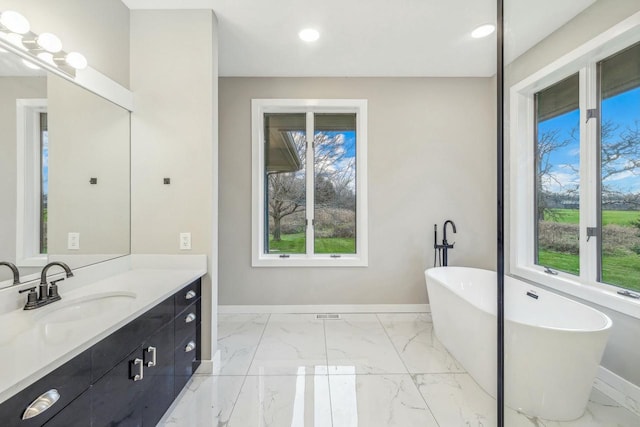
[190, 318]
[190, 347]
[190, 295]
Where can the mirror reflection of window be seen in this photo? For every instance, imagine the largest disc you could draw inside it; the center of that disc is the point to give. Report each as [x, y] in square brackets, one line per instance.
[44, 180]
[619, 193]
[557, 176]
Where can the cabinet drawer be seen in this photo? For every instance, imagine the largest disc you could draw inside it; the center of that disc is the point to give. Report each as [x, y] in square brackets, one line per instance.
[186, 322]
[187, 296]
[186, 362]
[70, 380]
[111, 350]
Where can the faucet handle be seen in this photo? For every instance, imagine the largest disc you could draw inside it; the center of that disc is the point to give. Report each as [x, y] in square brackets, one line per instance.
[53, 289]
[32, 298]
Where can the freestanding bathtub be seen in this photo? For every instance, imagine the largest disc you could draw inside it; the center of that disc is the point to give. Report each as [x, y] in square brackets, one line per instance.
[553, 345]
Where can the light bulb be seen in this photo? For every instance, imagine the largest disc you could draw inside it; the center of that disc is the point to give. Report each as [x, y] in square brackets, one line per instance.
[76, 60]
[47, 57]
[49, 42]
[483, 31]
[30, 64]
[14, 39]
[309, 35]
[14, 22]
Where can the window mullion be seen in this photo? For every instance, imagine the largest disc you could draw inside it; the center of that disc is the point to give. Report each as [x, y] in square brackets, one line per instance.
[588, 174]
[310, 197]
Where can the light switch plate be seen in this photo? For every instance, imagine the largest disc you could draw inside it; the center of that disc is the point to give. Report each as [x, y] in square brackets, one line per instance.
[73, 241]
[185, 241]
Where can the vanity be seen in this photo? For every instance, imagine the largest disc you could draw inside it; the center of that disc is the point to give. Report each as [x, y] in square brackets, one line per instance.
[114, 351]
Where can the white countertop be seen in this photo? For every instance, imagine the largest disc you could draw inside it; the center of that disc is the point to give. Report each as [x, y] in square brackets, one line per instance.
[34, 343]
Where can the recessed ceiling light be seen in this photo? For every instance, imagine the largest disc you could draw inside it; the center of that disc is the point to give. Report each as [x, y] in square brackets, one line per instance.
[483, 31]
[309, 35]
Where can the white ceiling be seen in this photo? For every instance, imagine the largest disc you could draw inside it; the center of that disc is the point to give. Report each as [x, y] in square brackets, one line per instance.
[371, 37]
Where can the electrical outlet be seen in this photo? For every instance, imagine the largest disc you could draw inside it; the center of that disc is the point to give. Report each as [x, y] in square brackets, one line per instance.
[73, 241]
[185, 241]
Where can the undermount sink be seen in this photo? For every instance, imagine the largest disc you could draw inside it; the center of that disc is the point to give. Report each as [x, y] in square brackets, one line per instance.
[67, 318]
[86, 308]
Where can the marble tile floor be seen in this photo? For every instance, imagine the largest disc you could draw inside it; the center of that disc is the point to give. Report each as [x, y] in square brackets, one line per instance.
[363, 370]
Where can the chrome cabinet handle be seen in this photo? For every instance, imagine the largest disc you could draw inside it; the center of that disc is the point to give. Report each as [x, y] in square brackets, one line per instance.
[190, 295]
[153, 351]
[41, 404]
[190, 347]
[140, 364]
[190, 318]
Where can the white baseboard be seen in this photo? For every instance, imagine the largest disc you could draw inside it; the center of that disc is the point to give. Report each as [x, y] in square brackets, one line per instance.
[335, 308]
[622, 391]
[206, 368]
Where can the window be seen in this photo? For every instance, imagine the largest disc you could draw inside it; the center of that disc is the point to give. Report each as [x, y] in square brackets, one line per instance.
[575, 171]
[32, 182]
[309, 183]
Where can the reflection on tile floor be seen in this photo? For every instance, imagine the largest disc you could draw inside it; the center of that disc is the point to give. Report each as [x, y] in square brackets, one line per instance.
[365, 370]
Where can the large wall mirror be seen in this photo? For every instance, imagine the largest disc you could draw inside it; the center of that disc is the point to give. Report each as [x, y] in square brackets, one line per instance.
[64, 171]
[572, 135]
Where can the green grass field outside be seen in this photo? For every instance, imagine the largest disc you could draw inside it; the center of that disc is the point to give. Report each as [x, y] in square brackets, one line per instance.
[618, 270]
[621, 268]
[572, 216]
[295, 244]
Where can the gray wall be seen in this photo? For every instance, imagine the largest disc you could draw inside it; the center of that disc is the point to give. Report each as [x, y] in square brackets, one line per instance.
[431, 157]
[92, 134]
[623, 352]
[174, 134]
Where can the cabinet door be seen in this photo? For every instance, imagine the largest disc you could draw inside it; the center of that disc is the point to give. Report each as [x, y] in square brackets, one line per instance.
[158, 379]
[114, 348]
[116, 398]
[76, 414]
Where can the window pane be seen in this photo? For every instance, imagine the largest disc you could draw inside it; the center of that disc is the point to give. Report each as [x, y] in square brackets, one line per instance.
[335, 183]
[285, 192]
[557, 155]
[620, 169]
[44, 180]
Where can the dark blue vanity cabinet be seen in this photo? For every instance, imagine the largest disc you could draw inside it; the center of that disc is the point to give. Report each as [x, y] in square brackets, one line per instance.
[129, 378]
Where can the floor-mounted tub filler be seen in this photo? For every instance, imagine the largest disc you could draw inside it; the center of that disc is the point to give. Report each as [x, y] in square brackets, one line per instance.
[553, 345]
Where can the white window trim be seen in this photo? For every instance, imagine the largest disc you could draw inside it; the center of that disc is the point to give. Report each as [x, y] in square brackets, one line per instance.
[28, 182]
[521, 255]
[258, 108]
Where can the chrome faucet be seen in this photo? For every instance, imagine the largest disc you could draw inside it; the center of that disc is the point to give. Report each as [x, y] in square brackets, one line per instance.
[48, 293]
[14, 269]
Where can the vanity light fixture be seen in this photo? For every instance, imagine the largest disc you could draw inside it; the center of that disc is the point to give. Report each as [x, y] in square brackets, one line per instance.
[44, 48]
[483, 31]
[309, 35]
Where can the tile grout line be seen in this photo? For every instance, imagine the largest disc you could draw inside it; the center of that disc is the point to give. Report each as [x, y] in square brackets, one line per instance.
[413, 381]
[244, 380]
[326, 356]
